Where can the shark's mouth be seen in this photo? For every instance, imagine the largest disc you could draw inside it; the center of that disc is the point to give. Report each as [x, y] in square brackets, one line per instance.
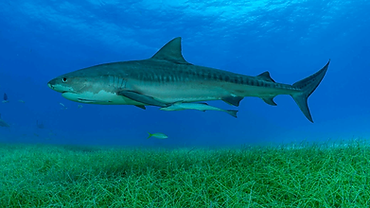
[84, 98]
[101, 98]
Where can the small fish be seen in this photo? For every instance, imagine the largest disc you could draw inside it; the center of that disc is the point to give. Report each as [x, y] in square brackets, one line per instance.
[21, 101]
[80, 106]
[158, 135]
[5, 98]
[3, 123]
[63, 106]
[197, 106]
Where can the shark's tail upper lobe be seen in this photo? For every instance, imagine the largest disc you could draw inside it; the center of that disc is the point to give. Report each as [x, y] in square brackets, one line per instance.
[307, 86]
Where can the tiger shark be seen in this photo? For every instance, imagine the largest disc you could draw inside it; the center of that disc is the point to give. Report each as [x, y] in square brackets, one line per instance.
[167, 78]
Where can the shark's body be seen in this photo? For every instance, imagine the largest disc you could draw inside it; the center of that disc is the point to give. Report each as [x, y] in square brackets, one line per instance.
[167, 78]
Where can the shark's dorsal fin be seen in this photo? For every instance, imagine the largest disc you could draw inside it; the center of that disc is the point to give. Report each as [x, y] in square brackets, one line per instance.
[266, 76]
[171, 52]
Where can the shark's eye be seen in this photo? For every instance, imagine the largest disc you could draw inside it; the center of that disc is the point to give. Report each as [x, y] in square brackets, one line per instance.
[64, 79]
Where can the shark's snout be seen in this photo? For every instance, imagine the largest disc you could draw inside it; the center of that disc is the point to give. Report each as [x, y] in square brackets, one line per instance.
[50, 85]
[57, 86]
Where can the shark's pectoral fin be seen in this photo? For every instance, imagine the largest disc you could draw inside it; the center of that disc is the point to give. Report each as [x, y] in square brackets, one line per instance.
[141, 106]
[147, 100]
[269, 100]
[232, 113]
[232, 100]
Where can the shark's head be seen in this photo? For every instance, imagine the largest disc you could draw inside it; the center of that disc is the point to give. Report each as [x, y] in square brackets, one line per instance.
[64, 84]
[98, 84]
[73, 86]
[91, 86]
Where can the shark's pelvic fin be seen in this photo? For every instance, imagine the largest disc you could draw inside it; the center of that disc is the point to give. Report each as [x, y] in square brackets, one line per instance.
[232, 100]
[171, 52]
[147, 100]
[307, 86]
[266, 76]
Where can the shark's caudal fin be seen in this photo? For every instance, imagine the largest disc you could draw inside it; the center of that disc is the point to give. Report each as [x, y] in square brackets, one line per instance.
[307, 86]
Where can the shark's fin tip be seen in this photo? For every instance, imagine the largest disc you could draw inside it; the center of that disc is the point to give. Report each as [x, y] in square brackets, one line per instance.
[232, 100]
[141, 106]
[233, 113]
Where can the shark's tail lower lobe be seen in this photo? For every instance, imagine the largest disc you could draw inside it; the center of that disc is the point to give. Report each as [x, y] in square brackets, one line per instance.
[307, 86]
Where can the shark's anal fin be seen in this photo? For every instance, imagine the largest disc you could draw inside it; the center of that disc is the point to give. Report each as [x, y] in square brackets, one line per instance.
[147, 100]
[141, 106]
[269, 100]
[232, 100]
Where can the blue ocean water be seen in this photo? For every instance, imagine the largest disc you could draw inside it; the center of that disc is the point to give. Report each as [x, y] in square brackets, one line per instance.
[291, 39]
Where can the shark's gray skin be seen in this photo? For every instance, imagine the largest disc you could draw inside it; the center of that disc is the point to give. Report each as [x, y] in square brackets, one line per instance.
[167, 78]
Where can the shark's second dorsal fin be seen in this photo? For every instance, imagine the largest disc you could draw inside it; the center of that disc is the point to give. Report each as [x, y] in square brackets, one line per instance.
[171, 52]
[266, 76]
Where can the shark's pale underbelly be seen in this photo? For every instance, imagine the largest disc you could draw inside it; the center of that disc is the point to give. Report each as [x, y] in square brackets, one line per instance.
[101, 98]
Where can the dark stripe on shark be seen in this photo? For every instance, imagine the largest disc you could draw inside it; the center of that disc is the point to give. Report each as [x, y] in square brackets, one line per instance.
[183, 75]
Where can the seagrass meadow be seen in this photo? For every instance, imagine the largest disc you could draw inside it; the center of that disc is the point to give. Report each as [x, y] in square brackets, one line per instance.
[335, 174]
